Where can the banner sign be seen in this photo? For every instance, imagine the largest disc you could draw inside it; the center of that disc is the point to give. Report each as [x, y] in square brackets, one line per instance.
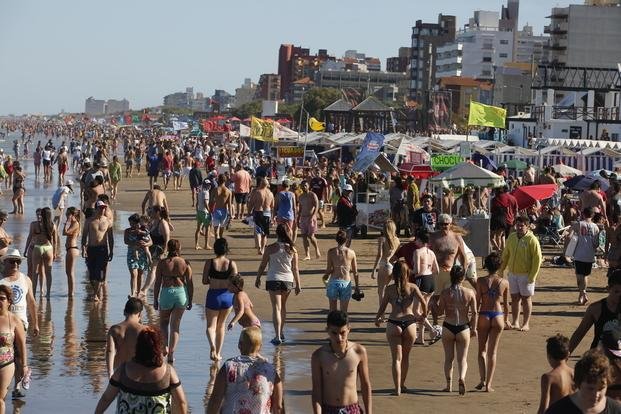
[290, 152]
[371, 146]
[443, 162]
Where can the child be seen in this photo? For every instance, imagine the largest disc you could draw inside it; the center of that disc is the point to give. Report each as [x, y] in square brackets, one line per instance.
[559, 382]
[141, 234]
[335, 366]
[242, 305]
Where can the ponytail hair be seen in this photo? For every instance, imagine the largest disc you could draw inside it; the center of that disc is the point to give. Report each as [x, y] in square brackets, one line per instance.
[401, 277]
[173, 247]
[283, 236]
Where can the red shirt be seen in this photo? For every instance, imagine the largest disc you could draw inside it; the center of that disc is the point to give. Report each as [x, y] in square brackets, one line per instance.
[509, 203]
[167, 162]
[406, 251]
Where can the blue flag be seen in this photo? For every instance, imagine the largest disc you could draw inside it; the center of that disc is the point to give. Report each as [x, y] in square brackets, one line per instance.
[369, 151]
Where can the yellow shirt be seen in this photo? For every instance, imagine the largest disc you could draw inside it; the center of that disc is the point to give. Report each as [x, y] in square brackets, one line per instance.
[522, 256]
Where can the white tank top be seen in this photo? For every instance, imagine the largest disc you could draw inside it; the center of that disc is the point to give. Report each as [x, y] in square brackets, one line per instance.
[20, 291]
[280, 265]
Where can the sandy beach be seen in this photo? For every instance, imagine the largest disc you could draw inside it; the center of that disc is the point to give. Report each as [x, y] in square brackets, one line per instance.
[521, 358]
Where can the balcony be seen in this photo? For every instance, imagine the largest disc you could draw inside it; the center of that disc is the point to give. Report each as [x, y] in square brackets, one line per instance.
[555, 46]
[555, 29]
[592, 114]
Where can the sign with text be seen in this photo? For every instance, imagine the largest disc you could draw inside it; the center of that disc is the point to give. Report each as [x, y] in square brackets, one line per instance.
[290, 152]
[443, 162]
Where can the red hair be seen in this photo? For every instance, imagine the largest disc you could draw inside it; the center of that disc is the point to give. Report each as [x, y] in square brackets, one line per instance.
[149, 350]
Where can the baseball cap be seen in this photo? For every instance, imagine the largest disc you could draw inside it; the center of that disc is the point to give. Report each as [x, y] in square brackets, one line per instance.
[100, 204]
[445, 218]
[611, 338]
[86, 161]
[348, 187]
[69, 183]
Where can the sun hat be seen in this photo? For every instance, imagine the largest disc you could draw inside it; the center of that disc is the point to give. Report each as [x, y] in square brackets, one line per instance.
[348, 187]
[69, 183]
[11, 253]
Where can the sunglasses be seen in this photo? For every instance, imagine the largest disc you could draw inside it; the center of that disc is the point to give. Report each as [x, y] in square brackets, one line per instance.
[13, 261]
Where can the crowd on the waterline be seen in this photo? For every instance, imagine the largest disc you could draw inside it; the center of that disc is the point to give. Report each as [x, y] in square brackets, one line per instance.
[428, 288]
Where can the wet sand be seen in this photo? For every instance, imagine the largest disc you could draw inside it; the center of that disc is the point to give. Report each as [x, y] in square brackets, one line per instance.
[68, 357]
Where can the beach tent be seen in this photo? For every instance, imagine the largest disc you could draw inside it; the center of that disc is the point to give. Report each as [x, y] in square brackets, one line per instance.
[468, 174]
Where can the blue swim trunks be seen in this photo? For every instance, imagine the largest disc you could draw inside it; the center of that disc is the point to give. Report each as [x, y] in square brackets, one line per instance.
[339, 289]
[219, 299]
[219, 217]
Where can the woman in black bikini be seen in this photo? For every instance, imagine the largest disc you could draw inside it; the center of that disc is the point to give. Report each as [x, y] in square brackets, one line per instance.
[71, 229]
[43, 238]
[456, 302]
[491, 290]
[404, 297]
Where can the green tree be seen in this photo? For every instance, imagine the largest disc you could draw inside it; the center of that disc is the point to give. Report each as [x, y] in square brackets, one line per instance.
[247, 110]
[317, 99]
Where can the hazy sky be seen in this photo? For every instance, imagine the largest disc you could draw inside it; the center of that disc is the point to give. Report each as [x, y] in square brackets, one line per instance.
[56, 53]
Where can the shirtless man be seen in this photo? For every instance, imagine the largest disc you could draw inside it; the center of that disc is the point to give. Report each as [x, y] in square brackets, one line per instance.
[592, 198]
[308, 205]
[261, 203]
[154, 197]
[97, 248]
[448, 247]
[121, 338]
[319, 186]
[335, 367]
[223, 205]
[91, 193]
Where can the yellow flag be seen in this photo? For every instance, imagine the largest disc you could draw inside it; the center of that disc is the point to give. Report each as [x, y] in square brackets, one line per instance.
[262, 130]
[316, 125]
[487, 115]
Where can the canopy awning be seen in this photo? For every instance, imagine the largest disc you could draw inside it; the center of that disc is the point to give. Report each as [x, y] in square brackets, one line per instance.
[468, 174]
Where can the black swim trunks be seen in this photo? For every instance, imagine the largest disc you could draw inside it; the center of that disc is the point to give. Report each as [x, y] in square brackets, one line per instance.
[97, 262]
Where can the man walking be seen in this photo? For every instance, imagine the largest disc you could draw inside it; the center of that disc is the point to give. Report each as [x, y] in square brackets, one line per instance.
[308, 206]
[241, 181]
[587, 233]
[223, 204]
[97, 248]
[522, 258]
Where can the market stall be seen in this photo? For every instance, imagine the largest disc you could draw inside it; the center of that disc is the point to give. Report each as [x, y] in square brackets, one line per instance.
[469, 175]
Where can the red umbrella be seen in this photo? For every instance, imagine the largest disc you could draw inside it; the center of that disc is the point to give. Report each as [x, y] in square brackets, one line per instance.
[528, 195]
[417, 171]
[234, 119]
[283, 121]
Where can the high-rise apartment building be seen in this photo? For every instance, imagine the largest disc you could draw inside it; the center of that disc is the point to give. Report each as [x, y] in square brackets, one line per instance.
[585, 36]
[295, 63]
[269, 87]
[477, 50]
[94, 106]
[114, 106]
[529, 48]
[426, 38]
[399, 63]
[245, 93]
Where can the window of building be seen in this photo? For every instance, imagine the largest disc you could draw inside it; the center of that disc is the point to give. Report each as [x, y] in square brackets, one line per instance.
[504, 42]
[503, 55]
[486, 73]
[487, 59]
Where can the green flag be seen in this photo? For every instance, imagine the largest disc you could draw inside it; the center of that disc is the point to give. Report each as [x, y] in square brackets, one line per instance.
[486, 115]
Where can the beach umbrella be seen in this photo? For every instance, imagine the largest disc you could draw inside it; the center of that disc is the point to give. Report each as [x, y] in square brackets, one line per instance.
[528, 195]
[515, 164]
[584, 182]
[566, 170]
[234, 119]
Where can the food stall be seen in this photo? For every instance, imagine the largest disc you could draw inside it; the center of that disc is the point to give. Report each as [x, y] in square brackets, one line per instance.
[374, 204]
[469, 175]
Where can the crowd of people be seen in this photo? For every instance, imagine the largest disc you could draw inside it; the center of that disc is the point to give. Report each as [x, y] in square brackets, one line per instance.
[431, 277]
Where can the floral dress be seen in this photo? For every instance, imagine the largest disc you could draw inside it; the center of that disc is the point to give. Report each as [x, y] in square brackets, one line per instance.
[249, 385]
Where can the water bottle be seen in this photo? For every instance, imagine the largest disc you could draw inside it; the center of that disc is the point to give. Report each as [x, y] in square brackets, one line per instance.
[27, 378]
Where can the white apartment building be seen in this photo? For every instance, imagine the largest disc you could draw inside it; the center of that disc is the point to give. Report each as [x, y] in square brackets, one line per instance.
[529, 47]
[114, 106]
[94, 106]
[475, 53]
[585, 36]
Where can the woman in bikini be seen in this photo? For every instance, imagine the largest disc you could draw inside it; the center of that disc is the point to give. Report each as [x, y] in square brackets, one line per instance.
[341, 264]
[12, 336]
[18, 190]
[404, 298]
[172, 294]
[456, 302]
[71, 230]
[387, 245]
[217, 273]
[493, 317]
[424, 270]
[160, 234]
[43, 237]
